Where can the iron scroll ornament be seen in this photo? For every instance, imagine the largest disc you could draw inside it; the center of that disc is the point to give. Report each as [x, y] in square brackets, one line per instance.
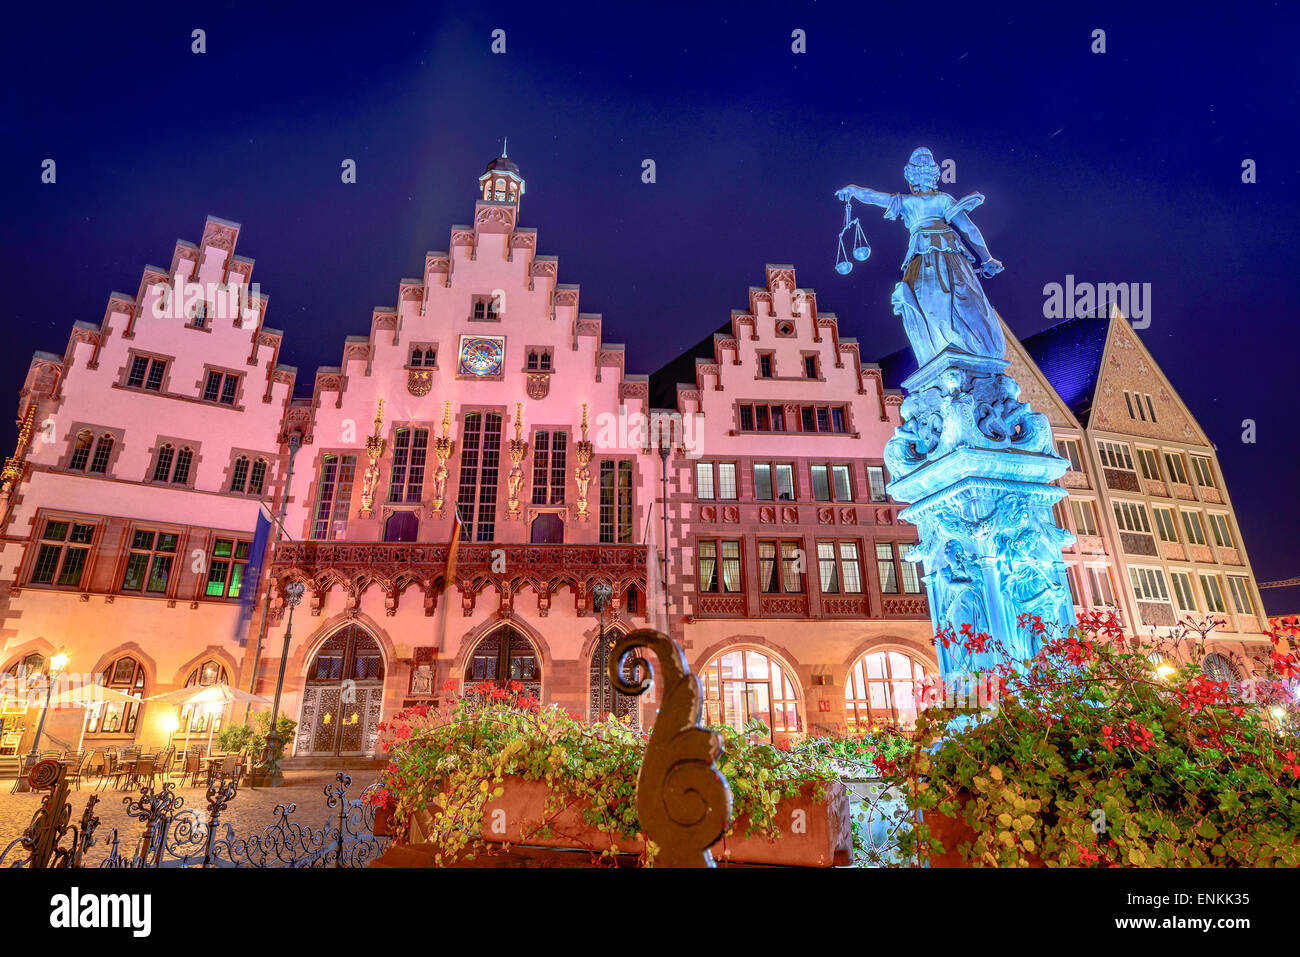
[682, 800]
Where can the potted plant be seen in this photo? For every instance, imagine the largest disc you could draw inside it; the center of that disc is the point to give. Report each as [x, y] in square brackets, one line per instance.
[1094, 754]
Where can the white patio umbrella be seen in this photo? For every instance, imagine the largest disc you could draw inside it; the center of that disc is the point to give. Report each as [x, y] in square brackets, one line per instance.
[211, 697]
[87, 696]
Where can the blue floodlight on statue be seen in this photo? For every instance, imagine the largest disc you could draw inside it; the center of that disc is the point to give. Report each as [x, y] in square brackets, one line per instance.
[974, 461]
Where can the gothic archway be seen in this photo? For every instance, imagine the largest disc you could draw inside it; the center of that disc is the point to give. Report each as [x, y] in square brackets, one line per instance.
[343, 696]
[602, 698]
[503, 657]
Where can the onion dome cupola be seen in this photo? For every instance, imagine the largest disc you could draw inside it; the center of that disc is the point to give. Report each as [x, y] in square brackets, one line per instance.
[501, 182]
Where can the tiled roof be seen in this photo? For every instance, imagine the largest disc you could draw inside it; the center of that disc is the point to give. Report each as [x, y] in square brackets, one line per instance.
[1069, 355]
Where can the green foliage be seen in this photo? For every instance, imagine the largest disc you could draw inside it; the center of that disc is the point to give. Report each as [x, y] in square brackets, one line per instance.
[452, 765]
[1093, 757]
[251, 738]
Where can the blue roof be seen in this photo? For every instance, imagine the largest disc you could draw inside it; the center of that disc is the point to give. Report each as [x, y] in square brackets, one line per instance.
[1069, 355]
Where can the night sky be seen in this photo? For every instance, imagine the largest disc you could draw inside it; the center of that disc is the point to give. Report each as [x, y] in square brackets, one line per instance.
[1118, 167]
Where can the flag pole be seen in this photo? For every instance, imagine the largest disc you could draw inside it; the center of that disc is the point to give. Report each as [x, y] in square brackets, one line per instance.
[449, 581]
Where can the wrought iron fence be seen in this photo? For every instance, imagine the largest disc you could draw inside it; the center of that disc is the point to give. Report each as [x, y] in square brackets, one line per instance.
[171, 835]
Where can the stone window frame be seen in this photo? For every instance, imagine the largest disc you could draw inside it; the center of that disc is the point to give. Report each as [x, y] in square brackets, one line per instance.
[124, 373]
[771, 365]
[202, 383]
[177, 444]
[424, 347]
[252, 455]
[97, 431]
[182, 533]
[543, 352]
[804, 356]
[485, 299]
[39, 521]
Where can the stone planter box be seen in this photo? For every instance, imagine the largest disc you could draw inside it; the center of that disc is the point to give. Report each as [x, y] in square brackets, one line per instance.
[813, 834]
[953, 831]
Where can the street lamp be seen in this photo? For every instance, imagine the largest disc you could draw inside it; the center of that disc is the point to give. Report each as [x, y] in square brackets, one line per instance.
[53, 668]
[270, 774]
[601, 593]
[664, 450]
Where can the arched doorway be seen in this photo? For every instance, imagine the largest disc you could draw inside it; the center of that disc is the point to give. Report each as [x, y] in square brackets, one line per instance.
[744, 684]
[343, 696]
[505, 656]
[604, 698]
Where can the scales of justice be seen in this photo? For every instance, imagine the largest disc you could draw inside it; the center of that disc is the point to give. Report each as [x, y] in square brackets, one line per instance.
[975, 463]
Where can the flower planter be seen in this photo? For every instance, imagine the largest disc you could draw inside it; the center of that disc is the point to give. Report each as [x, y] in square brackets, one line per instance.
[953, 831]
[813, 833]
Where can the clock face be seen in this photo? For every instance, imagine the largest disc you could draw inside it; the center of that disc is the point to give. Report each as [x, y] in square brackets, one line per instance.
[481, 355]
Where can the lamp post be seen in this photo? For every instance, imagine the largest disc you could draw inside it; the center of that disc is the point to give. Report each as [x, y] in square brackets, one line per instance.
[53, 668]
[269, 774]
[664, 450]
[600, 595]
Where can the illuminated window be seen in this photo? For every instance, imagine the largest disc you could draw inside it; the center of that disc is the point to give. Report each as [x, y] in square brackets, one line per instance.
[1085, 515]
[198, 717]
[876, 481]
[1213, 592]
[1101, 592]
[1184, 594]
[1222, 533]
[149, 564]
[1195, 527]
[226, 568]
[784, 575]
[505, 656]
[1148, 584]
[704, 480]
[119, 717]
[1239, 585]
[881, 691]
[712, 554]
[1177, 471]
[1115, 455]
[745, 685]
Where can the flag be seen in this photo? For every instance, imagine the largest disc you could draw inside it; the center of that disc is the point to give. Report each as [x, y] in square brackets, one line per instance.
[252, 576]
[449, 580]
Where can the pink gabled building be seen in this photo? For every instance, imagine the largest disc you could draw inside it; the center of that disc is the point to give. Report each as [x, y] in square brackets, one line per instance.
[149, 447]
[129, 508]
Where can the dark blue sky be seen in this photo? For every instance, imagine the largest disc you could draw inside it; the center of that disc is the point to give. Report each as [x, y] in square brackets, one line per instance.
[1122, 167]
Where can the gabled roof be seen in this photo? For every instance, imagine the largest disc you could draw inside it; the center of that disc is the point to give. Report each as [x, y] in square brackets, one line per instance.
[1069, 354]
[663, 381]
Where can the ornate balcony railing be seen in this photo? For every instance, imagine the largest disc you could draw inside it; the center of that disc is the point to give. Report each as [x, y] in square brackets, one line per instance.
[394, 568]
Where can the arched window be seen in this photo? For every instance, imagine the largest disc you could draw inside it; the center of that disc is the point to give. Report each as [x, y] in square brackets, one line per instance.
[604, 698]
[81, 451]
[163, 467]
[211, 672]
[32, 664]
[257, 477]
[239, 474]
[505, 656]
[881, 691]
[632, 600]
[1220, 668]
[117, 717]
[103, 450]
[743, 685]
[184, 458]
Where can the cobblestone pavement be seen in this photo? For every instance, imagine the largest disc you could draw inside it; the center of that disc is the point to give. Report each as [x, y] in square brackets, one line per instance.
[249, 813]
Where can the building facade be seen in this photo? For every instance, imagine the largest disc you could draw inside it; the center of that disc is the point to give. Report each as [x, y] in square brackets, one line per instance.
[735, 499]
